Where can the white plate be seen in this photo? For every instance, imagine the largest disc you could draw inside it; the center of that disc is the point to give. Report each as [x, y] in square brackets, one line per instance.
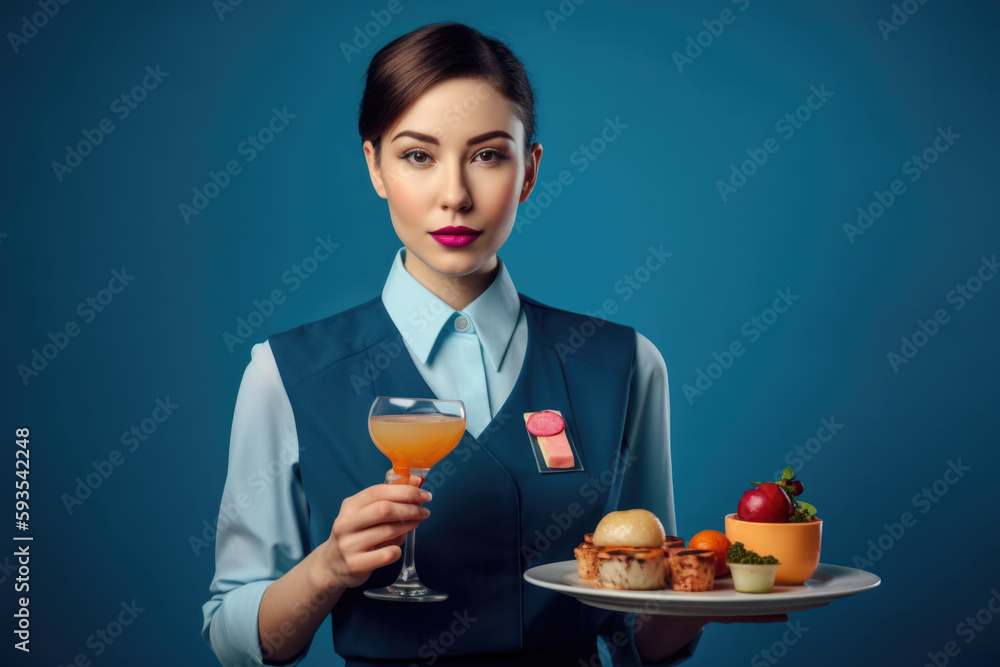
[828, 583]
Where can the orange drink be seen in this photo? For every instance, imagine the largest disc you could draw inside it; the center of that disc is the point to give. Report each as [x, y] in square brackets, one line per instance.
[415, 433]
[415, 440]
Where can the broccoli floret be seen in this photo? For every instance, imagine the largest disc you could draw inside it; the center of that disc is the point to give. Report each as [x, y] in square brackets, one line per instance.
[738, 554]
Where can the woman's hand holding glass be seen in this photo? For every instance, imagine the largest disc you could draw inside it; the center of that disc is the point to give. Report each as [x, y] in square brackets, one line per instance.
[369, 531]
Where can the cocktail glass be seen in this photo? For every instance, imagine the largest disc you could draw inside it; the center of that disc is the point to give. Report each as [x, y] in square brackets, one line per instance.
[415, 433]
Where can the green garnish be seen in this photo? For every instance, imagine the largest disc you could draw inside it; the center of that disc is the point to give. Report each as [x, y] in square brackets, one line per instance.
[738, 554]
[803, 512]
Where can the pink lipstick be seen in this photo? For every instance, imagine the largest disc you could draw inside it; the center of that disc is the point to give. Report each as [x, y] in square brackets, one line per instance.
[455, 237]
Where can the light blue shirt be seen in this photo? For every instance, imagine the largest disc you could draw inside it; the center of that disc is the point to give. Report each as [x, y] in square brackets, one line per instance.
[474, 355]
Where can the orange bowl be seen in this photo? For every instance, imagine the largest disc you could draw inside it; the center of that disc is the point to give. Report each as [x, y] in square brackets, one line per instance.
[795, 545]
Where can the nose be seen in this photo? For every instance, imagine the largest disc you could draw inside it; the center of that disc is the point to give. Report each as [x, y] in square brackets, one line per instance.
[455, 192]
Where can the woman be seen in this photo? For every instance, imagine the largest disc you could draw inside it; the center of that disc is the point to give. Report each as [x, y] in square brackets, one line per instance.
[447, 121]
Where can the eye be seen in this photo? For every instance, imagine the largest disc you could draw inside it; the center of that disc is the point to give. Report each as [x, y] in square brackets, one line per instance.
[490, 155]
[419, 157]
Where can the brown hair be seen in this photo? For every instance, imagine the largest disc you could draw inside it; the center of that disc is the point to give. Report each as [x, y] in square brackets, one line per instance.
[407, 66]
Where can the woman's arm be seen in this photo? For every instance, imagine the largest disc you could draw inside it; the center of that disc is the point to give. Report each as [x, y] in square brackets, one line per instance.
[268, 595]
[366, 535]
[263, 516]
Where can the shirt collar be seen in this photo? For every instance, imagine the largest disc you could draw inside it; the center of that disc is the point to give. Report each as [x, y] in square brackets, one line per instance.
[420, 315]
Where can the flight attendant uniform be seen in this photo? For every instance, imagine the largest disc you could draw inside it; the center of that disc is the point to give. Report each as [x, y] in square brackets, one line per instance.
[494, 514]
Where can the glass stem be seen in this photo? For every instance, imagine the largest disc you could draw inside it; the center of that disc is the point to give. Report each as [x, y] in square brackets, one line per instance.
[409, 571]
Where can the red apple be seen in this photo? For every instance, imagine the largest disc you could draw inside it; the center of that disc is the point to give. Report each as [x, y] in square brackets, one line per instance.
[768, 503]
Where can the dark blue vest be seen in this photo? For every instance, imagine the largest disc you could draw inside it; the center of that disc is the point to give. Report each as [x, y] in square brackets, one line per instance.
[493, 514]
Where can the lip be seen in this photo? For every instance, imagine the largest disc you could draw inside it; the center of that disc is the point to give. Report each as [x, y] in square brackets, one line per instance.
[455, 237]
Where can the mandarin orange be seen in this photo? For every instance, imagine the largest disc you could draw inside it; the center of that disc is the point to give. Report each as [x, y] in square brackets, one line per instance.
[715, 541]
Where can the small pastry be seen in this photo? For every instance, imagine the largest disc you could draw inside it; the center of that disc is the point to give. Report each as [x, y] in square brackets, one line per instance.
[692, 569]
[632, 569]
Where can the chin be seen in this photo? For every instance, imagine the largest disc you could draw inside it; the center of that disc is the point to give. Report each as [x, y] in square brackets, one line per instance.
[457, 266]
[455, 261]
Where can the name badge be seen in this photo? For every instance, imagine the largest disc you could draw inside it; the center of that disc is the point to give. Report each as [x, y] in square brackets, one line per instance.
[551, 442]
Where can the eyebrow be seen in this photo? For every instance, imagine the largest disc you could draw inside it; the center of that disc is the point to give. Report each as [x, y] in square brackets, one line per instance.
[474, 140]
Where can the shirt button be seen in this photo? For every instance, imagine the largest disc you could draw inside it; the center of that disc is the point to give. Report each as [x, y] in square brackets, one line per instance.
[461, 323]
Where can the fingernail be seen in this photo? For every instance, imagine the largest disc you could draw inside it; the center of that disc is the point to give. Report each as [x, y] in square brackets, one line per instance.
[425, 496]
[426, 512]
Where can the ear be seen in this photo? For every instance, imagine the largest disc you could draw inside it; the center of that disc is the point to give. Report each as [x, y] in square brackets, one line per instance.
[531, 172]
[374, 171]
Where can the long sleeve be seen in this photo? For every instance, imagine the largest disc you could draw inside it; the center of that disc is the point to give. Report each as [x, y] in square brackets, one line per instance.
[648, 481]
[263, 521]
[647, 484]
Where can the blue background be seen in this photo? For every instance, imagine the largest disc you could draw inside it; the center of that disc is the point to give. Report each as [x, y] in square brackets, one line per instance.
[655, 185]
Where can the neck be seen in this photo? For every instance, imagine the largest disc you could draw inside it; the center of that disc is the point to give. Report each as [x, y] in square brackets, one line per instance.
[456, 291]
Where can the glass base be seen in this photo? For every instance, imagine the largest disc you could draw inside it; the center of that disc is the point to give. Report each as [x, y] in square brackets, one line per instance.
[407, 591]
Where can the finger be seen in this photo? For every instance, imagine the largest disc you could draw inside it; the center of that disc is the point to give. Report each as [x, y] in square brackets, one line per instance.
[400, 493]
[379, 512]
[372, 560]
[403, 493]
[370, 538]
[398, 541]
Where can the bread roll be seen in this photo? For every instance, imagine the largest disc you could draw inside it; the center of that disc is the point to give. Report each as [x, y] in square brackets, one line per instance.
[630, 528]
